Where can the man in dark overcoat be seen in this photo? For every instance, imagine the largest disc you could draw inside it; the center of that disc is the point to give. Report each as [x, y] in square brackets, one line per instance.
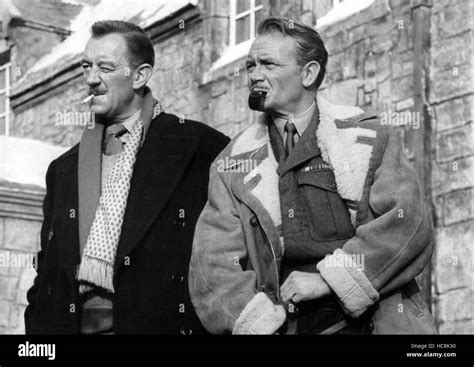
[121, 206]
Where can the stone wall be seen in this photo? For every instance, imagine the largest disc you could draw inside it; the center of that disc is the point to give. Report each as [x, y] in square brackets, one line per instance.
[452, 100]
[182, 60]
[20, 224]
[371, 58]
[30, 44]
[38, 119]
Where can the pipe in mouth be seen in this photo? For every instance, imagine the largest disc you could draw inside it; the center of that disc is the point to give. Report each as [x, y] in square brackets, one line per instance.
[257, 100]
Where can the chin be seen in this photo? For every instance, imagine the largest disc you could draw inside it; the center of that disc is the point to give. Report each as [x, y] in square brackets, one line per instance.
[268, 107]
[99, 110]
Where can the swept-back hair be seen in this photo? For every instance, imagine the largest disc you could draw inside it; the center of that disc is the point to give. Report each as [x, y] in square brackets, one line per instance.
[309, 45]
[138, 42]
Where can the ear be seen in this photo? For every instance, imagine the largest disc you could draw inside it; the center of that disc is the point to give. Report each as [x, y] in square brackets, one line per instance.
[310, 73]
[141, 75]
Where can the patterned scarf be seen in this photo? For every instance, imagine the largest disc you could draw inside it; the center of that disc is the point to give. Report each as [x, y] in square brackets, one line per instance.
[98, 258]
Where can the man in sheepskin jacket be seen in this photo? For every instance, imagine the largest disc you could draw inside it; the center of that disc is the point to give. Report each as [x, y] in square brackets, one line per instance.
[315, 221]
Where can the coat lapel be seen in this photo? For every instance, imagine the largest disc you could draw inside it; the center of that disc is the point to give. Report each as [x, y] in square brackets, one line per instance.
[159, 166]
[344, 146]
[89, 179]
[258, 188]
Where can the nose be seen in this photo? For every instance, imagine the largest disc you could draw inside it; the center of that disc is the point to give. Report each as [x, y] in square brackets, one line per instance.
[256, 75]
[92, 77]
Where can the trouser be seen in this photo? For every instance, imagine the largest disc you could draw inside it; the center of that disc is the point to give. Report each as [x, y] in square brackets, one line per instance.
[318, 316]
[97, 321]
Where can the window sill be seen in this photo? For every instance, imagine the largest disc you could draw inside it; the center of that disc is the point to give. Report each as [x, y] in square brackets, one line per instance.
[230, 59]
[342, 11]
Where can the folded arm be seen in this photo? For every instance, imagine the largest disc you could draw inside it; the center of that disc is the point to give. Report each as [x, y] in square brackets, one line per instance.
[393, 247]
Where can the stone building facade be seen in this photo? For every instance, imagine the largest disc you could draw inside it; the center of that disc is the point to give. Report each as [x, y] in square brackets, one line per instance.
[409, 60]
[20, 221]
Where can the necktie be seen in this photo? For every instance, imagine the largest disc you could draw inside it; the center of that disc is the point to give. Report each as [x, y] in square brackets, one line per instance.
[113, 145]
[290, 130]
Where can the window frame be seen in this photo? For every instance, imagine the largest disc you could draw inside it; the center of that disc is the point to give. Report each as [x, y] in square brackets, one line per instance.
[234, 16]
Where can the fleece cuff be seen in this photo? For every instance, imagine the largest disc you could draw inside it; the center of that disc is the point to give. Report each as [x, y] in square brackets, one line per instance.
[349, 283]
[260, 316]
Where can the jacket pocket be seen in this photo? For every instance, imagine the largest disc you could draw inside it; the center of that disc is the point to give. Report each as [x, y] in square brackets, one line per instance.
[328, 215]
[413, 299]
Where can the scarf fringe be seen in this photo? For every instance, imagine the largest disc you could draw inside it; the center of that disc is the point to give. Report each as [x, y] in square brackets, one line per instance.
[96, 271]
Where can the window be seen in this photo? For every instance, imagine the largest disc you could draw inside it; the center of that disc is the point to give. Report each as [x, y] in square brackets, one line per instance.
[5, 66]
[342, 9]
[244, 17]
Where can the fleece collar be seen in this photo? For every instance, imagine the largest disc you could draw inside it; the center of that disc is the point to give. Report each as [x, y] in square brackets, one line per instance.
[345, 146]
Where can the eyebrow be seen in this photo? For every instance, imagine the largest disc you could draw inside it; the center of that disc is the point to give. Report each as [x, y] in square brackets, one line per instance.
[101, 62]
[268, 59]
[251, 59]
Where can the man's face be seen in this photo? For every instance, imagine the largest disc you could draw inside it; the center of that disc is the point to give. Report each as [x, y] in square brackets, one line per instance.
[109, 76]
[272, 67]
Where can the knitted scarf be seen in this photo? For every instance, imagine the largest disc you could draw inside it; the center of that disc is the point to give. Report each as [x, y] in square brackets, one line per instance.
[98, 258]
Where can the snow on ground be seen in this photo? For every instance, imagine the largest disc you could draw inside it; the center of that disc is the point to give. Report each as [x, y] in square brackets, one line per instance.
[343, 10]
[25, 161]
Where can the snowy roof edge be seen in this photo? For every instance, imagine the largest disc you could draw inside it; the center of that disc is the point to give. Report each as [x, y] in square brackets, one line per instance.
[21, 86]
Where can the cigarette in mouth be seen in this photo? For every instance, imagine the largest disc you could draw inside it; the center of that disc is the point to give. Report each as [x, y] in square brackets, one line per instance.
[87, 99]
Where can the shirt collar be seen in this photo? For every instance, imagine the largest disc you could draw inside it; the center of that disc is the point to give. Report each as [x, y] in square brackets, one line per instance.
[301, 121]
[128, 123]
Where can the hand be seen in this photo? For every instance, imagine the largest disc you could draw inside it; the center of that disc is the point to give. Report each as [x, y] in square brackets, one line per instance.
[302, 286]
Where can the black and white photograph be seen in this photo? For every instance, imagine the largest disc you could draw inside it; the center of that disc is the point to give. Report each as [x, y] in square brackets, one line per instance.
[198, 171]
